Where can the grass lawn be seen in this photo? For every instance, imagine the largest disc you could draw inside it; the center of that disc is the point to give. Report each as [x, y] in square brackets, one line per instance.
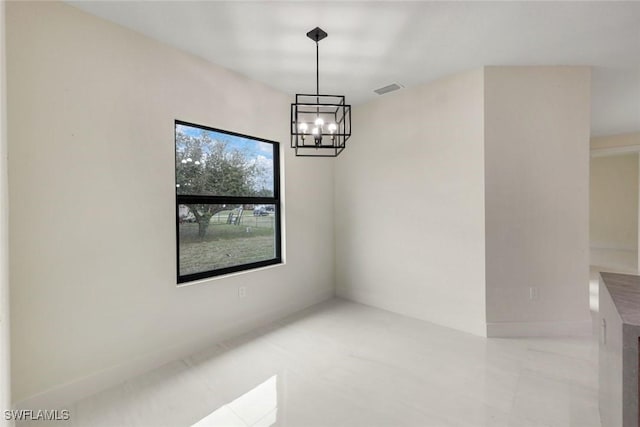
[226, 245]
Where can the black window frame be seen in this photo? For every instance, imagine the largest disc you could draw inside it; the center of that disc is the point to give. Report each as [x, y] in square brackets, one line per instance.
[182, 199]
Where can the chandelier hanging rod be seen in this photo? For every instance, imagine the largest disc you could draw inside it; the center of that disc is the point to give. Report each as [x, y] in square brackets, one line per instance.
[316, 35]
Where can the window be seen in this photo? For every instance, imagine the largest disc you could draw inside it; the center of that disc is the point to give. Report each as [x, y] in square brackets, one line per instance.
[227, 202]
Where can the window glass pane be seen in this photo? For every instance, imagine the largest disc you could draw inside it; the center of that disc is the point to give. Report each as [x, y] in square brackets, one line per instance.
[212, 237]
[212, 163]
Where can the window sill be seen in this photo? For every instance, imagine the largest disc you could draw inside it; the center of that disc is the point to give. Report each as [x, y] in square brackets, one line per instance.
[229, 275]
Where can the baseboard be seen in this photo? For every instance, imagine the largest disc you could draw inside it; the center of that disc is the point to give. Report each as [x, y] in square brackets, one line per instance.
[477, 328]
[614, 151]
[539, 329]
[612, 246]
[66, 394]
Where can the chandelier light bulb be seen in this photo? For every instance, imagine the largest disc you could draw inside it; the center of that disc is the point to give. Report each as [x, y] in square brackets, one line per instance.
[197, 162]
[332, 127]
[315, 131]
[303, 127]
[319, 122]
[189, 160]
[184, 162]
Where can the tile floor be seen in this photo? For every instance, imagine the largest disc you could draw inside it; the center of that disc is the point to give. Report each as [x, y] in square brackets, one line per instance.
[345, 364]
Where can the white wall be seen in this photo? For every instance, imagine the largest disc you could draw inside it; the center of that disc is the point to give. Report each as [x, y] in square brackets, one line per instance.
[410, 202]
[91, 166]
[5, 370]
[626, 261]
[614, 211]
[537, 199]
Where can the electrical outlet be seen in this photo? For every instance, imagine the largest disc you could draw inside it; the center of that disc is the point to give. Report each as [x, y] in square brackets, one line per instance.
[242, 291]
[533, 293]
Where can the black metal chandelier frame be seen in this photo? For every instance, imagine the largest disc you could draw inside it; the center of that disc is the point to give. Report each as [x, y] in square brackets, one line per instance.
[320, 124]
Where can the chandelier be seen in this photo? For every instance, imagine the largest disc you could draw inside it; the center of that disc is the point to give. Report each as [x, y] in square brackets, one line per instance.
[320, 124]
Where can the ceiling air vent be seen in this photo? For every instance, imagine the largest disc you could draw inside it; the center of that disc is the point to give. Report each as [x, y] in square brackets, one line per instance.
[388, 88]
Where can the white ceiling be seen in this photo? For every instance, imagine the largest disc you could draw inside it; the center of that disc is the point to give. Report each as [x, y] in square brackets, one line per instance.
[374, 43]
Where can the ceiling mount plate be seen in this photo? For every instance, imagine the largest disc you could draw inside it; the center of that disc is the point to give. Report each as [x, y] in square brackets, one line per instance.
[317, 34]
